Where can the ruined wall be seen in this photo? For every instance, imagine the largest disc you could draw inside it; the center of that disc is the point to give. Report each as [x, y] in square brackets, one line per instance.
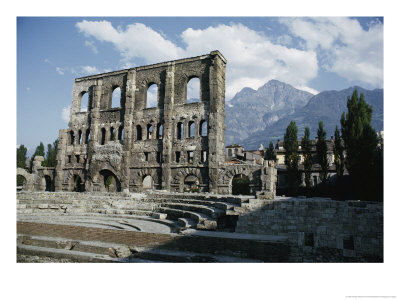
[132, 142]
[318, 225]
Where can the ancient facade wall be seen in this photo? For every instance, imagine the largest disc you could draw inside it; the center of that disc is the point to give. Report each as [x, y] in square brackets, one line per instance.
[349, 228]
[132, 141]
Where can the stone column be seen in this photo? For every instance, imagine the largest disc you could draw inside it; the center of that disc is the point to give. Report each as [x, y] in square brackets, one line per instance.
[216, 121]
[168, 126]
[61, 157]
[130, 89]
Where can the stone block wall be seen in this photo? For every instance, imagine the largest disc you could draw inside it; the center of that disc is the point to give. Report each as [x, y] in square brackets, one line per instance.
[351, 229]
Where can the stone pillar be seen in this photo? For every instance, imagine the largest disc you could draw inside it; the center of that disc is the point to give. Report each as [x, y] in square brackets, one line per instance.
[130, 89]
[94, 130]
[268, 179]
[216, 121]
[168, 127]
[61, 156]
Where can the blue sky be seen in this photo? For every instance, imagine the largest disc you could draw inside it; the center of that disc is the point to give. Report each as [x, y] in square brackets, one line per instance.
[313, 54]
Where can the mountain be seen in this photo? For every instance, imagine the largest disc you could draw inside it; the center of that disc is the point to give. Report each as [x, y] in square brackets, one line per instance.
[326, 106]
[253, 111]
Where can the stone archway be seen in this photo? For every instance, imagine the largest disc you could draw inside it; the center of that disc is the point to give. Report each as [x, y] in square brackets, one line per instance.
[21, 182]
[147, 182]
[78, 185]
[48, 183]
[191, 183]
[110, 182]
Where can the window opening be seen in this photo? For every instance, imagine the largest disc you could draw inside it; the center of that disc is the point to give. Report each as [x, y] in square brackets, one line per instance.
[159, 157]
[84, 102]
[87, 136]
[190, 157]
[103, 136]
[149, 131]
[121, 134]
[116, 97]
[146, 156]
[72, 137]
[112, 134]
[203, 128]
[77, 158]
[204, 156]
[179, 132]
[80, 137]
[160, 131]
[151, 100]
[177, 156]
[139, 132]
[191, 129]
[193, 90]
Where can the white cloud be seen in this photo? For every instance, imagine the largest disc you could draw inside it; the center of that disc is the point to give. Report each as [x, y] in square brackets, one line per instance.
[343, 46]
[307, 89]
[65, 113]
[91, 45]
[137, 40]
[60, 70]
[253, 58]
[89, 70]
[28, 89]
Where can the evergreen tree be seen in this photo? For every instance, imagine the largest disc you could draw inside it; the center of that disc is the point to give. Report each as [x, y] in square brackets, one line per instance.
[38, 152]
[21, 156]
[338, 151]
[322, 151]
[291, 156]
[364, 159]
[269, 153]
[306, 147]
[51, 154]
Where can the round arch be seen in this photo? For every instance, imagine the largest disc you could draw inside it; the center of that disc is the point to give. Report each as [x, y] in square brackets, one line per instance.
[109, 181]
[147, 182]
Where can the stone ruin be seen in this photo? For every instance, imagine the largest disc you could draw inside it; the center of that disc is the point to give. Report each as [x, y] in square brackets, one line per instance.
[175, 146]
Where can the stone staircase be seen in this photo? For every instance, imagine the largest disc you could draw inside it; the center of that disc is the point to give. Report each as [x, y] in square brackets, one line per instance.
[198, 211]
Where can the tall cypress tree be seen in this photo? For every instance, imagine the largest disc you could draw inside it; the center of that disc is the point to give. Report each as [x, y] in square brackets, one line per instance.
[364, 159]
[338, 151]
[269, 153]
[291, 155]
[306, 147]
[322, 151]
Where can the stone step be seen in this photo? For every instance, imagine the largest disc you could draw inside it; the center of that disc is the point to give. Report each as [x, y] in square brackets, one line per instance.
[189, 257]
[209, 211]
[187, 223]
[203, 221]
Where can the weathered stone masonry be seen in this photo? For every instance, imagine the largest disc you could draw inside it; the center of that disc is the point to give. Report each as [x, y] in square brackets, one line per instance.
[132, 142]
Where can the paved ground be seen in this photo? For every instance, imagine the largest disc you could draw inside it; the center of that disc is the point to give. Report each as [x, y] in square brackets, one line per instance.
[120, 222]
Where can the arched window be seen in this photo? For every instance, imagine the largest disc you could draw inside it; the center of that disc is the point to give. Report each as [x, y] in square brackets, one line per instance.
[116, 97]
[152, 93]
[149, 131]
[71, 137]
[191, 128]
[138, 132]
[103, 136]
[80, 137]
[179, 131]
[203, 128]
[160, 130]
[112, 134]
[193, 90]
[84, 101]
[87, 136]
[121, 134]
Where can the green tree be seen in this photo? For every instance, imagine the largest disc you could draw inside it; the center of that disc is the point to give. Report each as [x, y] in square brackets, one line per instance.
[364, 159]
[291, 155]
[270, 153]
[306, 147]
[38, 152]
[51, 154]
[21, 156]
[322, 151]
[338, 151]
